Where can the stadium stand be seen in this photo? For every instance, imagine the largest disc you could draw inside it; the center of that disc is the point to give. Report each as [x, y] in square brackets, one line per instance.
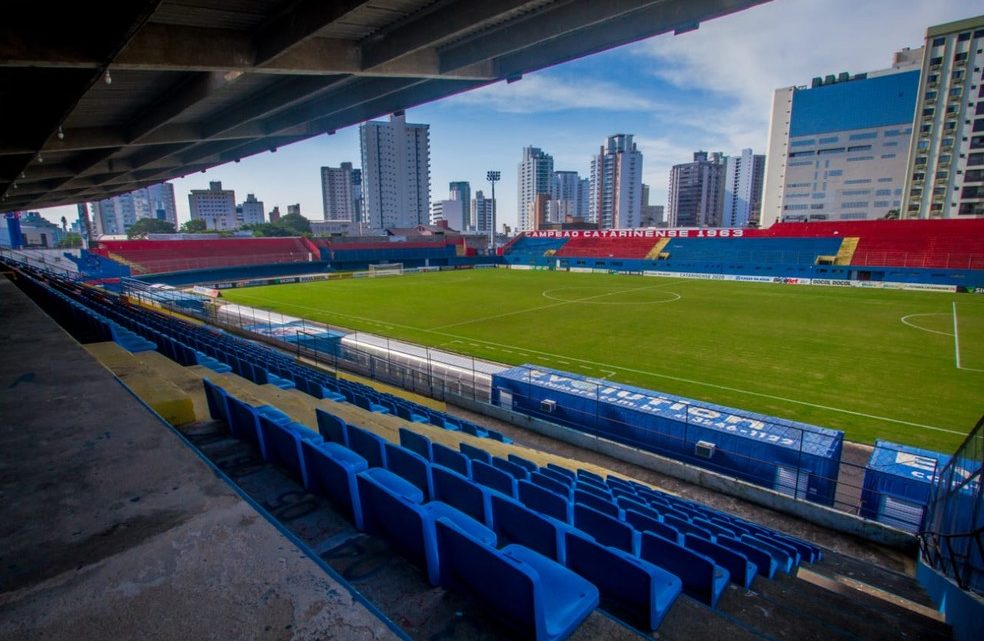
[607, 247]
[161, 256]
[683, 252]
[533, 251]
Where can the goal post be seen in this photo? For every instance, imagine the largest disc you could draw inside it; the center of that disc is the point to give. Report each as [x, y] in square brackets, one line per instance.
[385, 269]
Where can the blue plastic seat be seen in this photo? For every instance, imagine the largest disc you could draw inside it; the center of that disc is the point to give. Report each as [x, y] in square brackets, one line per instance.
[542, 500]
[686, 527]
[558, 477]
[460, 492]
[216, 397]
[475, 453]
[786, 561]
[518, 472]
[494, 478]
[713, 528]
[766, 565]
[332, 471]
[367, 445]
[604, 505]
[629, 584]
[583, 474]
[282, 445]
[411, 466]
[702, 579]
[587, 485]
[606, 529]
[571, 474]
[739, 567]
[645, 522]
[331, 427]
[519, 460]
[416, 443]
[552, 484]
[389, 510]
[450, 459]
[518, 524]
[537, 597]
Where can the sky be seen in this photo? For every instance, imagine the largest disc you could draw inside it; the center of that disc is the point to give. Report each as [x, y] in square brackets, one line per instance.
[709, 89]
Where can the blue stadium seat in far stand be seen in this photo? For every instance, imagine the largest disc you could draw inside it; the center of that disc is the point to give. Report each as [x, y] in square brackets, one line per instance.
[475, 453]
[491, 477]
[471, 428]
[543, 500]
[645, 522]
[408, 525]
[739, 567]
[411, 466]
[527, 591]
[518, 524]
[606, 529]
[331, 427]
[332, 471]
[416, 443]
[518, 472]
[627, 583]
[702, 579]
[367, 445]
[519, 460]
[460, 492]
[330, 394]
[766, 565]
[450, 459]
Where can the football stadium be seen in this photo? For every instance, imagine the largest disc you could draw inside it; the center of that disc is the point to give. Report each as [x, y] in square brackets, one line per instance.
[765, 432]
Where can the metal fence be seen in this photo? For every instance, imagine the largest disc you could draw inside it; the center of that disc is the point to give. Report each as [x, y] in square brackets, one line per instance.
[952, 538]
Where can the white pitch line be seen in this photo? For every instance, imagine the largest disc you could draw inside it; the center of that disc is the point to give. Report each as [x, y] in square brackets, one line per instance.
[956, 336]
[905, 321]
[670, 377]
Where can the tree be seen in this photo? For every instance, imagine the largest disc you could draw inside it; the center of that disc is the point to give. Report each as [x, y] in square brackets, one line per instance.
[194, 226]
[70, 241]
[145, 226]
[296, 223]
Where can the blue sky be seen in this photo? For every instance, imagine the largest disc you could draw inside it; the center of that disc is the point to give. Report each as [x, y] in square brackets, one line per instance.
[706, 89]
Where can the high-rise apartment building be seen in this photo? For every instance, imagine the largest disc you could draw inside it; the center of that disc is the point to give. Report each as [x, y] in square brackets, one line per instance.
[535, 177]
[650, 215]
[395, 172]
[461, 190]
[115, 216]
[838, 148]
[481, 212]
[216, 206]
[341, 192]
[250, 211]
[697, 191]
[945, 176]
[616, 184]
[743, 189]
[570, 195]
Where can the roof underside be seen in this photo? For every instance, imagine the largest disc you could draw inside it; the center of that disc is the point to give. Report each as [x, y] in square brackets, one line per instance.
[93, 106]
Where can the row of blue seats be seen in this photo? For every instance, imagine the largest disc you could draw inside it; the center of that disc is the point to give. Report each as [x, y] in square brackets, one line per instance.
[222, 352]
[532, 593]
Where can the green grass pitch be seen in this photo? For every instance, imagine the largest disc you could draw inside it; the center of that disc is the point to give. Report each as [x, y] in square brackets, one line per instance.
[874, 363]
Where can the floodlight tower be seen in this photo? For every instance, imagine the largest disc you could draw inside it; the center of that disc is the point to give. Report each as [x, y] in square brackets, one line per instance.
[493, 177]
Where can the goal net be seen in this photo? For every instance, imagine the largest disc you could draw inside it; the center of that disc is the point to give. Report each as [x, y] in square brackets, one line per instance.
[386, 269]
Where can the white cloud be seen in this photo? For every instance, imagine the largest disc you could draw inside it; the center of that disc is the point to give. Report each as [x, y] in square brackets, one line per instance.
[545, 93]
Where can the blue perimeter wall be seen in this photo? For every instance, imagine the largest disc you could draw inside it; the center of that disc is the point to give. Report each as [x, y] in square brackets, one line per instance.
[963, 610]
[752, 447]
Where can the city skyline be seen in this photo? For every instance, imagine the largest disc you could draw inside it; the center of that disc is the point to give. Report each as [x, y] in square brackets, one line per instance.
[676, 94]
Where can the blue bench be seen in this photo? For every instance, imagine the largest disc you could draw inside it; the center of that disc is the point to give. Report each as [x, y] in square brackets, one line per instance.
[541, 499]
[416, 443]
[702, 579]
[331, 427]
[606, 529]
[332, 471]
[527, 591]
[631, 585]
[450, 459]
[390, 509]
[518, 524]
[367, 445]
[411, 466]
[739, 567]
